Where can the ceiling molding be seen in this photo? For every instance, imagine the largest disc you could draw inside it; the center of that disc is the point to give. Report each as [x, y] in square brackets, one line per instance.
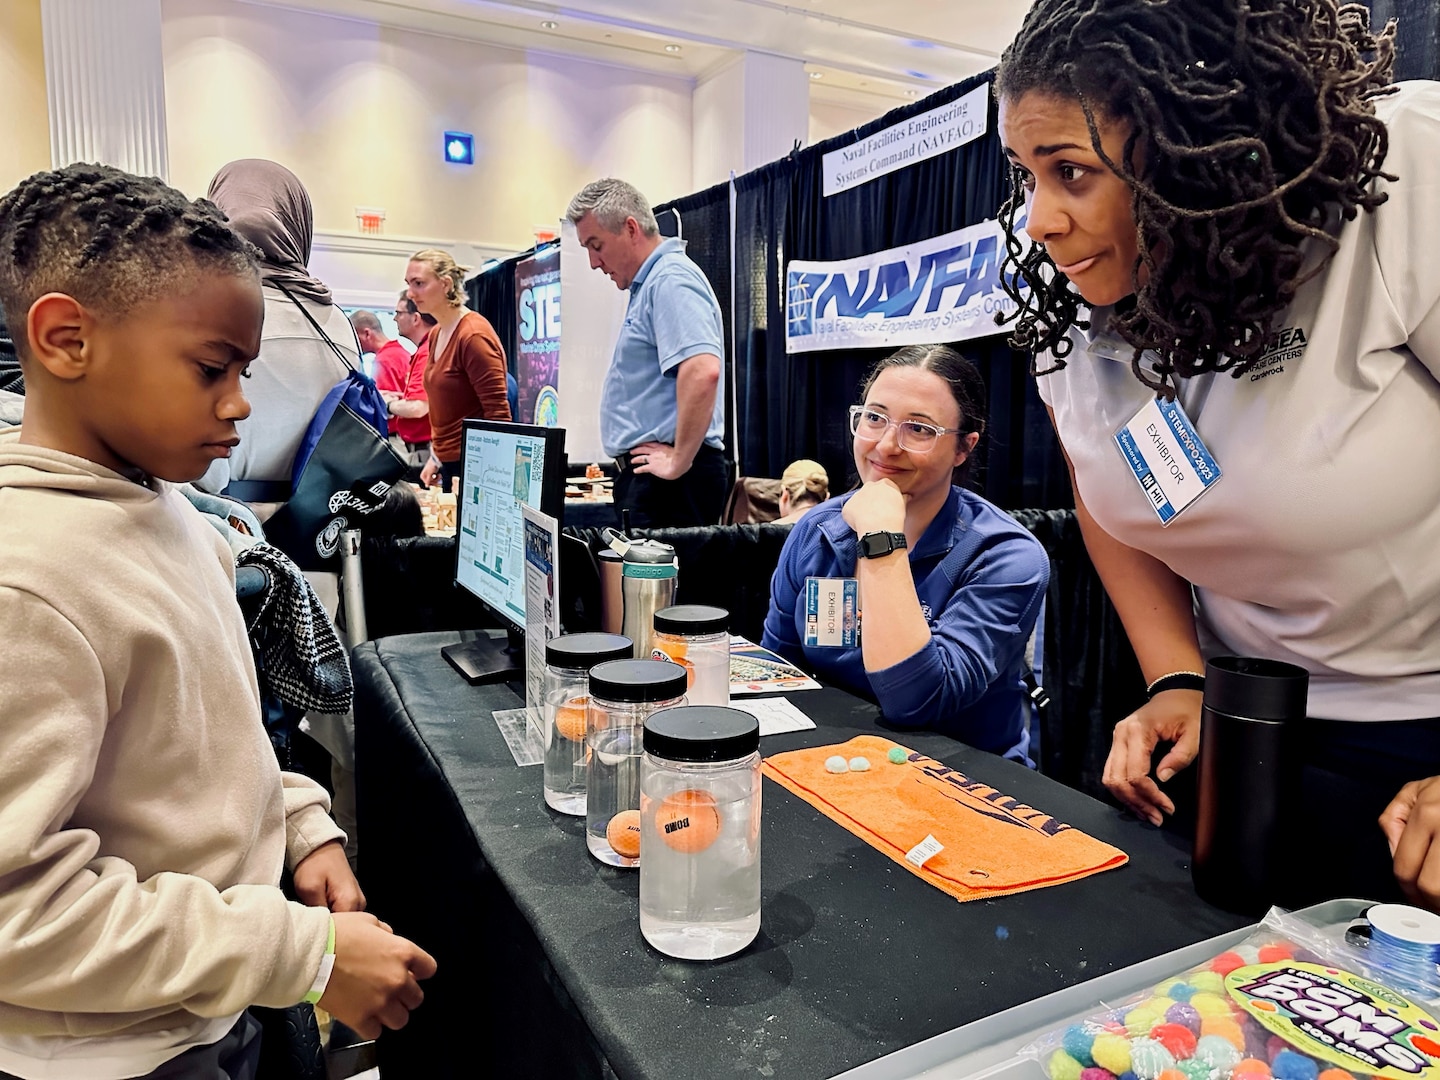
[402, 247]
[495, 35]
[709, 31]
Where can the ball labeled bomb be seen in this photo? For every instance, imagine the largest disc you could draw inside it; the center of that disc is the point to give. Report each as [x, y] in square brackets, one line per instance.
[688, 821]
[623, 834]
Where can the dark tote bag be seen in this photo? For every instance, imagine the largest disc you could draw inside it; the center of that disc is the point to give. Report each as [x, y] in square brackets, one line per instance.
[343, 473]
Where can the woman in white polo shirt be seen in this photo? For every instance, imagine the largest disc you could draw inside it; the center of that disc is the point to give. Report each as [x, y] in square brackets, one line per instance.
[1250, 214]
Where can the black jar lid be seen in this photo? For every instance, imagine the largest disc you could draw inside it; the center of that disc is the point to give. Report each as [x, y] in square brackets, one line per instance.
[688, 619]
[586, 650]
[638, 680]
[701, 733]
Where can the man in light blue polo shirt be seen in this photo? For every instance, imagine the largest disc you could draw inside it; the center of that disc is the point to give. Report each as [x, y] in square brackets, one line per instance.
[662, 417]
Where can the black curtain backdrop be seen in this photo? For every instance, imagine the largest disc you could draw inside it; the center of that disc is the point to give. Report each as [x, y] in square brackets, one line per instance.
[492, 294]
[795, 406]
[703, 221]
[1417, 41]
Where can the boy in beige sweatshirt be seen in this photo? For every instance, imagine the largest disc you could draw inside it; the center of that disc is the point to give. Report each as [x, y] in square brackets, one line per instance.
[144, 822]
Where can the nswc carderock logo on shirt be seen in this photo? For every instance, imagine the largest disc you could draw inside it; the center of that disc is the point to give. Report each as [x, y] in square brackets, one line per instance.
[945, 289]
[1285, 345]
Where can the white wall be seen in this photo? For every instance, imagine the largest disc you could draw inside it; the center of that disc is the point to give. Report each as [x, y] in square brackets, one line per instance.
[357, 111]
[831, 118]
[24, 110]
[719, 124]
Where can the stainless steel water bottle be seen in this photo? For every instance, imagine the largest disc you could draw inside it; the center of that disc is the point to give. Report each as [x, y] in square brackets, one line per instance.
[649, 572]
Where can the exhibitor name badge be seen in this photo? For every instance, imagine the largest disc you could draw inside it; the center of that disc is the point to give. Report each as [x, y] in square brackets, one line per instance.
[831, 613]
[1169, 459]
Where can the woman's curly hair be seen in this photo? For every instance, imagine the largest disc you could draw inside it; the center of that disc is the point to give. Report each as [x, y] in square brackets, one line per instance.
[1251, 131]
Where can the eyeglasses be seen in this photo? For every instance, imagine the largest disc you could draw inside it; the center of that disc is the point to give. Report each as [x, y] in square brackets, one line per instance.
[912, 435]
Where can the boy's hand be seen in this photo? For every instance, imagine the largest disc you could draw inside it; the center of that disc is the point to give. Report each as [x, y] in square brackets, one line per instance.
[324, 879]
[375, 982]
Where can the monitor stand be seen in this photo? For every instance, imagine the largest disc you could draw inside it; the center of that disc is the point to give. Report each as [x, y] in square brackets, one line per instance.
[485, 660]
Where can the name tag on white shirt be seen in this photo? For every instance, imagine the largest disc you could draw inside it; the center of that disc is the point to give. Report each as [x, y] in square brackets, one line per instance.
[1170, 461]
[832, 612]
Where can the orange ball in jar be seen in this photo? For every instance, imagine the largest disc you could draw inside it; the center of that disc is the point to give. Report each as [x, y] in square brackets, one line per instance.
[570, 718]
[688, 821]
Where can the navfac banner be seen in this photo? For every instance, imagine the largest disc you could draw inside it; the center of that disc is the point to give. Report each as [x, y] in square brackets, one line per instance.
[936, 291]
[537, 368]
[901, 145]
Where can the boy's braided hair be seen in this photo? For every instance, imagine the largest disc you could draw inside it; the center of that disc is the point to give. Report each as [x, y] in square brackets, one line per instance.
[107, 238]
[1251, 131]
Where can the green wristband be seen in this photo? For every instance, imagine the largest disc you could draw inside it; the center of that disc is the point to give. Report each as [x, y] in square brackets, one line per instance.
[327, 965]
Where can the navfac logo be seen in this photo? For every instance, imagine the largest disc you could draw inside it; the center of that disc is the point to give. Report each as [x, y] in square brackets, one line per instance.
[944, 290]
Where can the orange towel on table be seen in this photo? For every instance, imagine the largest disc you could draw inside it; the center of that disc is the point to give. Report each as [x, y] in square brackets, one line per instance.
[993, 845]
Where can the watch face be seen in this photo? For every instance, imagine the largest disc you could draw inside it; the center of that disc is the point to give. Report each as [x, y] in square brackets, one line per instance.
[875, 544]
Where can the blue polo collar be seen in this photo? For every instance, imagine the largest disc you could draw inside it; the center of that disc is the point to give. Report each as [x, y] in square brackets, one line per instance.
[667, 247]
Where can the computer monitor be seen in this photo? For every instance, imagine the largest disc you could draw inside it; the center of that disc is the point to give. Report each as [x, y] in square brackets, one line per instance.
[501, 466]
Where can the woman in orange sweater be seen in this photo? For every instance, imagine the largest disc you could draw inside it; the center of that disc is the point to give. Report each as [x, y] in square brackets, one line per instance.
[465, 376]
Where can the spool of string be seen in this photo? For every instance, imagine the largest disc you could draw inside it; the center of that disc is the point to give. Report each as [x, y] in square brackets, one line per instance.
[1405, 941]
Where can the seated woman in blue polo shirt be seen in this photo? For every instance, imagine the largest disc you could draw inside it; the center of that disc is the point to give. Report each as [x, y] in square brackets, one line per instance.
[949, 585]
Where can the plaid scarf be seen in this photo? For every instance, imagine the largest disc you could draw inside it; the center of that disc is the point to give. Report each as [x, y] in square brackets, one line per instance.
[301, 660]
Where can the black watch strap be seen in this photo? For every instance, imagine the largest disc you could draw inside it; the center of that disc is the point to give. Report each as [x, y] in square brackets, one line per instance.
[875, 544]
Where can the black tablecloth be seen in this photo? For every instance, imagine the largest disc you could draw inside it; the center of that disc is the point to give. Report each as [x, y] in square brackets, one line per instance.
[543, 971]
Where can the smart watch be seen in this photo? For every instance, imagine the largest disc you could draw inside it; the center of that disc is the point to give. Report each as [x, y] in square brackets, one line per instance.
[875, 544]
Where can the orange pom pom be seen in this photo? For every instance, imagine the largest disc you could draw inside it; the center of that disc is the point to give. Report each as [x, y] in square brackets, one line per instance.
[1273, 954]
[1226, 1028]
[1252, 1069]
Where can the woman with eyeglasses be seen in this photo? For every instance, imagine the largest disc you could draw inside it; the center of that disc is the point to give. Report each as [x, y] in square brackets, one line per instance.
[946, 587]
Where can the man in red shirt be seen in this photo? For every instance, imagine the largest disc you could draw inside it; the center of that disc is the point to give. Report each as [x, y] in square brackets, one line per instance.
[392, 362]
[410, 410]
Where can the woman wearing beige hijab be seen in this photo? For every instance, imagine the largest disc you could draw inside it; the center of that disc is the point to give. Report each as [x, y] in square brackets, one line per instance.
[296, 368]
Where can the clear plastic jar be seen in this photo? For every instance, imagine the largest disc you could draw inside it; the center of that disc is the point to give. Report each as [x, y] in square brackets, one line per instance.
[623, 693]
[700, 832]
[696, 637]
[566, 702]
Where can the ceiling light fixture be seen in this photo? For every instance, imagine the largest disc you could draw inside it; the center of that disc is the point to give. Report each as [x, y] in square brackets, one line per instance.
[549, 24]
[817, 74]
[912, 93]
[672, 48]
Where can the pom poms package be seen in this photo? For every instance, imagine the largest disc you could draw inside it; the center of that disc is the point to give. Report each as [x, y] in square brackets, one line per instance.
[1271, 1008]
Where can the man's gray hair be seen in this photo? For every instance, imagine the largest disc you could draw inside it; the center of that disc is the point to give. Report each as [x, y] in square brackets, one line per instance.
[366, 320]
[612, 201]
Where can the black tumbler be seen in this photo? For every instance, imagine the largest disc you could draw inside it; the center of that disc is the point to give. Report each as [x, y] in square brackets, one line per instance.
[1248, 778]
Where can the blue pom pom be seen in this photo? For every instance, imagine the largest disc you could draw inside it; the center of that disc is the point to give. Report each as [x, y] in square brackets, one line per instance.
[1180, 992]
[1077, 1042]
[1288, 1065]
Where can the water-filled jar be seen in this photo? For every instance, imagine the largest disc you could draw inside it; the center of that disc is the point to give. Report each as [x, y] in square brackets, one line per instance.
[700, 831]
[623, 693]
[698, 639]
[568, 660]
